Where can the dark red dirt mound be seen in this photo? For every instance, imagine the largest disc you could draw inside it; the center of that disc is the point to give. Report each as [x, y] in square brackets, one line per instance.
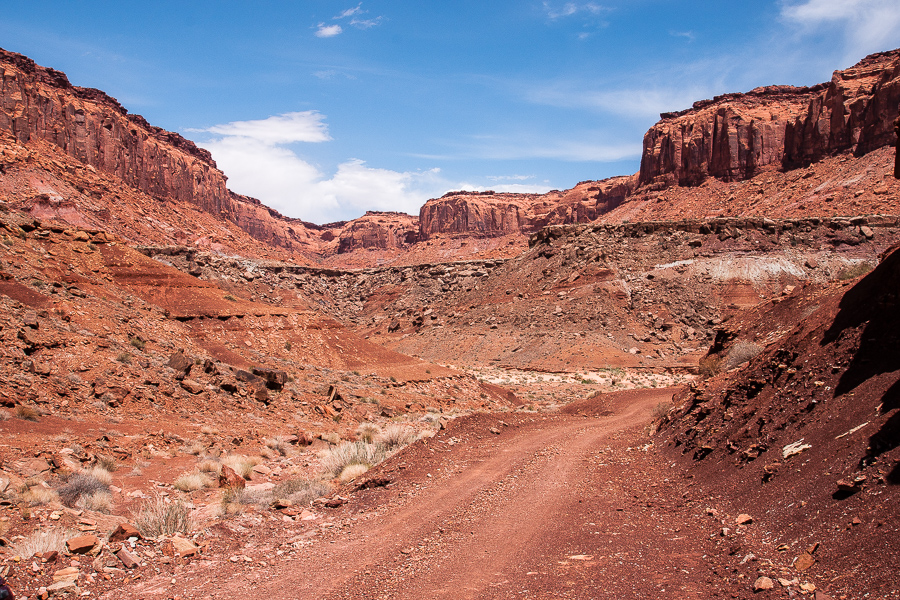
[831, 387]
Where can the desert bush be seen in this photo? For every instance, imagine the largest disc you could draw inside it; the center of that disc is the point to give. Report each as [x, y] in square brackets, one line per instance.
[331, 437]
[277, 444]
[709, 366]
[196, 448]
[42, 541]
[353, 453]
[209, 430]
[81, 484]
[107, 463]
[367, 432]
[351, 472]
[39, 495]
[189, 482]
[98, 501]
[396, 436]
[124, 358]
[741, 352]
[301, 491]
[242, 465]
[210, 466]
[137, 343]
[4, 414]
[100, 474]
[157, 518]
[660, 411]
[27, 413]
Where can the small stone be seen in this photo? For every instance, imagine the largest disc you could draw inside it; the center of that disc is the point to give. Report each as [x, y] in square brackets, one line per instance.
[128, 559]
[804, 561]
[743, 519]
[192, 386]
[62, 587]
[123, 532]
[179, 546]
[67, 574]
[763, 583]
[82, 544]
[262, 470]
[229, 478]
[495, 431]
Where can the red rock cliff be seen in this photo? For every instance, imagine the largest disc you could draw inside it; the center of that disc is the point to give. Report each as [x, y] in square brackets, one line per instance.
[38, 103]
[491, 214]
[734, 136]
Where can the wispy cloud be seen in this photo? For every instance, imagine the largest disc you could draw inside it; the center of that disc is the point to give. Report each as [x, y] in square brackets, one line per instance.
[867, 25]
[555, 11]
[688, 35]
[256, 157]
[327, 31]
[629, 102]
[350, 12]
[305, 126]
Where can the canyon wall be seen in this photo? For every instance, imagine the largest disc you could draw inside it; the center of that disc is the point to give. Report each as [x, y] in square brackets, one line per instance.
[39, 103]
[492, 214]
[734, 136]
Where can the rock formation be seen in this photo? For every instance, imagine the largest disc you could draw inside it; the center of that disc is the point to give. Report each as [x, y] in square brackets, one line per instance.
[734, 136]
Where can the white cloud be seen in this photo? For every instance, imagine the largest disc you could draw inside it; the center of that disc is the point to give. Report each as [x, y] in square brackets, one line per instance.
[305, 126]
[636, 103]
[868, 25]
[490, 148]
[366, 23]
[350, 12]
[327, 31]
[573, 8]
[255, 157]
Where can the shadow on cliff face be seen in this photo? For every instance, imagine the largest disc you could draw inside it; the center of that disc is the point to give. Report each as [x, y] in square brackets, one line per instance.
[871, 310]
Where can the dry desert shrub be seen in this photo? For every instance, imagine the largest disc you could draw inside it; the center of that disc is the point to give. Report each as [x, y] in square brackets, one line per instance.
[100, 474]
[353, 453]
[27, 413]
[277, 444]
[196, 448]
[210, 466]
[107, 463]
[351, 472]
[743, 351]
[39, 495]
[242, 465]
[82, 484]
[42, 541]
[396, 436]
[710, 366]
[159, 517]
[4, 414]
[367, 432]
[300, 491]
[189, 482]
[98, 501]
[209, 430]
[853, 271]
[331, 437]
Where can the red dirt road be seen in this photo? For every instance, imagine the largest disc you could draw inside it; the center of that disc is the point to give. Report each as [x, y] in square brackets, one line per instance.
[554, 506]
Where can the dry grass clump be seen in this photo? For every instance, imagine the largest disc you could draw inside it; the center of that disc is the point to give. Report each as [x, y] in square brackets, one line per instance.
[107, 463]
[209, 430]
[367, 432]
[300, 492]
[27, 413]
[331, 437]
[743, 351]
[162, 517]
[211, 466]
[242, 465]
[98, 501]
[277, 444]
[196, 448]
[82, 484]
[42, 541]
[353, 453]
[4, 414]
[710, 366]
[100, 474]
[351, 472]
[38, 495]
[189, 482]
[396, 436]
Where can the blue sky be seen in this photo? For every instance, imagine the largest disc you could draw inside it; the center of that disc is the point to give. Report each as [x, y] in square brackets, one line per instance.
[324, 109]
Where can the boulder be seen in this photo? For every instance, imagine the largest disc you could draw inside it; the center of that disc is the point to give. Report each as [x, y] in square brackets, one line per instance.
[124, 531]
[82, 544]
[229, 479]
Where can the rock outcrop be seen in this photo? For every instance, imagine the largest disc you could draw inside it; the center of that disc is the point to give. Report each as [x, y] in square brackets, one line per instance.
[492, 214]
[735, 136]
[380, 230]
[40, 104]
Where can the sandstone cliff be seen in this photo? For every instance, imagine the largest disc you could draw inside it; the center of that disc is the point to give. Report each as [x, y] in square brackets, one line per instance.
[492, 214]
[39, 104]
[735, 136]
